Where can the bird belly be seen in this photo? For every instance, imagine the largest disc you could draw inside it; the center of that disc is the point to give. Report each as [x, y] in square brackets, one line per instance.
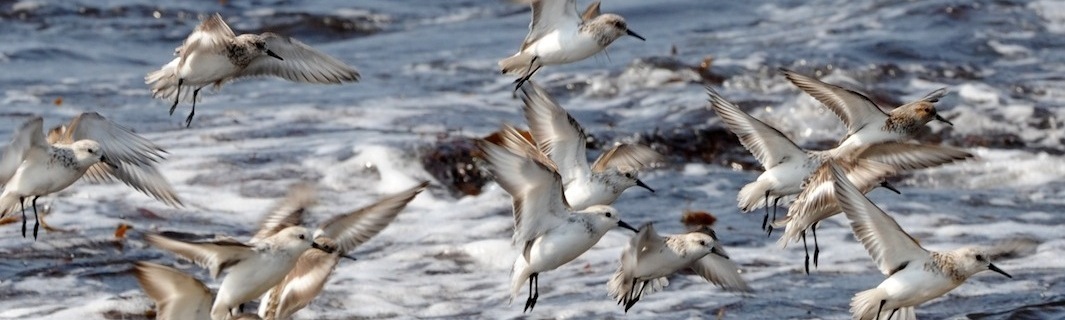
[249, 279]
[561, 47]
[913, 286]
[659, 265]
[580, 196]
[559, 247]
[200, 69]
[38, 179]
[786, 179]
[864, 138]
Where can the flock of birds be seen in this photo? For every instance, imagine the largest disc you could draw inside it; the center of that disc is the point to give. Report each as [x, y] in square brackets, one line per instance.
[561, 203]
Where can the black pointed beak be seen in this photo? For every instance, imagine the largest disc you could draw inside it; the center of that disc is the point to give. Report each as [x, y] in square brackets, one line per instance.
[622, 224]
[992, 267]
[644, 185]
[944, 120]
[348, 257]
[629, 32]
[888, 186]
[272, 54]
[327, 249]
[719, 253]
[107, 161]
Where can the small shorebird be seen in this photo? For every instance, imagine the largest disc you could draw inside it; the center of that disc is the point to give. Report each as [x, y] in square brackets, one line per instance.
[550, 234]
[914, 274]
[177, 296]
[346, 232]
[89, 146]
[213, 54]
[558, 35]
[562, 139]
[252, 268]
[650, 258]
[866, 123]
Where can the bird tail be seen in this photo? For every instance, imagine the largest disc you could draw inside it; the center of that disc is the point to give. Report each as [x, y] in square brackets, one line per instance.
[164, 83]
[865, 304]
[9, 203]
[516, 64]
[792, 231]
[619, 286]
[518, 276]
[752, 196]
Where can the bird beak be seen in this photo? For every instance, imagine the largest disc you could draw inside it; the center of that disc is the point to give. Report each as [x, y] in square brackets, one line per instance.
[719, 253]
[348, 257]
[626, 226]
[629, 32]
[888, 186]
[327, 249]
[996, 269]
[644, 185]
[944, 120]
[272, 54]
[108, 162]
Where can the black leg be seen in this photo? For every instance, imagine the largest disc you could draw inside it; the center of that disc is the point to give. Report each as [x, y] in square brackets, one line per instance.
[177, 97]
[878, 310]
[534, 292]
[636, 298]
[817, 248]
[769, 230]
[36, 218]
[807, 250]
[529, 71]
[188, 121]
[765, 219]
[892, 314]
[22, 202]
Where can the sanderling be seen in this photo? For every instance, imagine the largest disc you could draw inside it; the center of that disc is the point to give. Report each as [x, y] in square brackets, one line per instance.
[90, 145]
[650, 258]
[252, 268]
[563, 140]
[345, 232]
[177, 295]
[557, 35]
[549, 233]
[817, 201]
[213, 54]
[866, 122]
[914, 275]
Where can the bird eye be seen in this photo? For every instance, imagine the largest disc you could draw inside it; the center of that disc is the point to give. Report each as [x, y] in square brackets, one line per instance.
[629, 175]
[702, 243]
[302, 237]
[91, 150]
[980, 257]
[608, 214]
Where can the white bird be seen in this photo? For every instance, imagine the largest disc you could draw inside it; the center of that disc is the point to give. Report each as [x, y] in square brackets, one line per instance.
[558, 35]
[346, 232]
[650, 258]
[177, 295]
[817, 201]
[252, 268]
[91, 146]
[866, 123]
[549, 234]
[562, 139]
[213, 54]
[914, 275]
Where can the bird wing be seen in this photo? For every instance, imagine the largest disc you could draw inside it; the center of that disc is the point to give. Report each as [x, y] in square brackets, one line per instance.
[213, 32]
[634, 156]
[213, 255]
[28, 138]
[766, 143]
[144, 178]
[119, 143]
[547, 16]
[721, 272]
[302, 284]
[177, 295]
[557, 134]
[301, 63]
[646, 242]
[287, 212]
[853, 108]
[539, 204]
[353, 229]
[890, 247]
[911, 156]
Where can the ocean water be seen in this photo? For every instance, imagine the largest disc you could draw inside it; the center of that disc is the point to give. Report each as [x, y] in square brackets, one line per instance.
[430, 77]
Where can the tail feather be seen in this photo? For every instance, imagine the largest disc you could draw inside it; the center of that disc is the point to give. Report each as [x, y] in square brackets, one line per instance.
[865, 304]
[752, 196]
[906, 313]
[516, 64]
[619, 286]
[9, 203]
[164, 83]
[518, 276]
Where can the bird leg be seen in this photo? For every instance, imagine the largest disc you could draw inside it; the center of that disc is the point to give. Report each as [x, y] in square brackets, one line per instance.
[22, 202]
[188, 121]
[636, 298]
[765, 219]
[892, 314]
[769, 230]
[533, 293]
[177, 97]
[36, 218]
[882, 302]
[817, 248]
[807, 250]
[529, 71]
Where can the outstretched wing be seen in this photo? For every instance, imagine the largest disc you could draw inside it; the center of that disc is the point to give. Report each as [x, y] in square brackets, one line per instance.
[890, 246]
[633, 156]
[557, 134]
[301, 63]
[177, 295]
[353, 229]
[539, 204]
[28, 138]
[548, 15]
[766, 143]
[216, 256]
[288, 211]
[853, 108]
[721, 271]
